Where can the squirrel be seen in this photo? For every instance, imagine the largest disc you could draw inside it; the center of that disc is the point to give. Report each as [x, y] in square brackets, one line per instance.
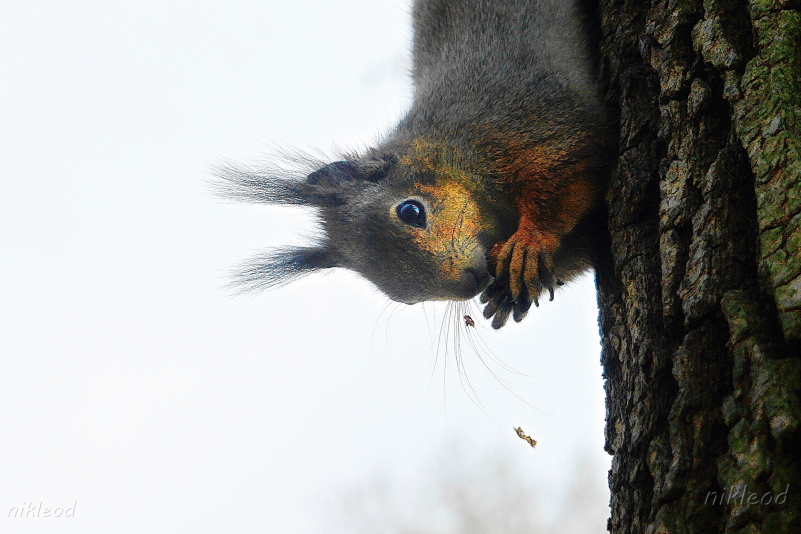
[483, 187]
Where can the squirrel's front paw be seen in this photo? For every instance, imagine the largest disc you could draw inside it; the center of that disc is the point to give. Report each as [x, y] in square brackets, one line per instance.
[500, 304]
[523, 269]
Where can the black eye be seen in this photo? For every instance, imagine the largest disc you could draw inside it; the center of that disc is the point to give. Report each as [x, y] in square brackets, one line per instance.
[412, 212]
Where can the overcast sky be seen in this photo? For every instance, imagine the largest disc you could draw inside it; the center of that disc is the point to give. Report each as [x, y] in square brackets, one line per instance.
[134, 387]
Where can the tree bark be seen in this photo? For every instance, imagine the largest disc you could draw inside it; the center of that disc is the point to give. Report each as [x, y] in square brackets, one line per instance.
[700, 287]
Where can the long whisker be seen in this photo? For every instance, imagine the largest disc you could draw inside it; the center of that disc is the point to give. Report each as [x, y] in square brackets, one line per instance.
[375, 325]
[502, 382]
[467, 385]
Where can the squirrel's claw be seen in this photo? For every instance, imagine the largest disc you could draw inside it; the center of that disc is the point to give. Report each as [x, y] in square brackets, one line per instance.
[521, 309]
[502, 314]
[493, 296]
[499, 303]
[546, 276]
[491, 308]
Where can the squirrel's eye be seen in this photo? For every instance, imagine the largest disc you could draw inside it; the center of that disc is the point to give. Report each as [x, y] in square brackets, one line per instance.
[412, 212]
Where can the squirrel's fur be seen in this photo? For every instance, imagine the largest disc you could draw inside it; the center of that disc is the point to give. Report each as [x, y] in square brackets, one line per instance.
[482, 185]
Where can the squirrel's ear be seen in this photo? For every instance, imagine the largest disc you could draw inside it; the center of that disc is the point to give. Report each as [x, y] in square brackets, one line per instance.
[345, 173]
[332, 184]
[280, 267]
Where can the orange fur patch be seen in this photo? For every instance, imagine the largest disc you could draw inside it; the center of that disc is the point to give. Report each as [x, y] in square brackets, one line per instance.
[456, 218]
[555, 191]
[451, 234]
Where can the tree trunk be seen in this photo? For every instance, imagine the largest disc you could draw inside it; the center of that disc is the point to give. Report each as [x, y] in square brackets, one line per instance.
[700, 290]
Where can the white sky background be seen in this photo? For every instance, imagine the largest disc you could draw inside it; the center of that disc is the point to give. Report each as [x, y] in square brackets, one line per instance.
[133, 383]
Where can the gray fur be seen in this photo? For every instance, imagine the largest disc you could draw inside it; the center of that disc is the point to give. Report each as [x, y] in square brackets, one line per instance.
[494, 63]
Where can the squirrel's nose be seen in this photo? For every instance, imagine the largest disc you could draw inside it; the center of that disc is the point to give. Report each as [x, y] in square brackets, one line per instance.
[480, 276]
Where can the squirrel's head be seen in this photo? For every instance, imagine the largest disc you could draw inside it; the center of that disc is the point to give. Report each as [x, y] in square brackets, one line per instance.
[416, 228]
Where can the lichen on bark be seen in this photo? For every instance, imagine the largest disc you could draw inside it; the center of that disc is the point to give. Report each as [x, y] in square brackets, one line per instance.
[768, 121]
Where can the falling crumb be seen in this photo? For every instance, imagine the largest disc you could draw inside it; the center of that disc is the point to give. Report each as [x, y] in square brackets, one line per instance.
[522, 435]
[468, 321]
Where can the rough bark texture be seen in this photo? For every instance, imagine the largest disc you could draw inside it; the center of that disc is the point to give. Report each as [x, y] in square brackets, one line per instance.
[701, 297]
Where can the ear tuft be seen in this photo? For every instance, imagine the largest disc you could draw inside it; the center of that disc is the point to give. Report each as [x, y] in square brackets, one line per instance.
[247, 184]
[330, 185]
[276, 268]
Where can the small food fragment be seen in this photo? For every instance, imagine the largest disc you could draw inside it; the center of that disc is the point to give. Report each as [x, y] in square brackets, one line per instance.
[522, 435]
